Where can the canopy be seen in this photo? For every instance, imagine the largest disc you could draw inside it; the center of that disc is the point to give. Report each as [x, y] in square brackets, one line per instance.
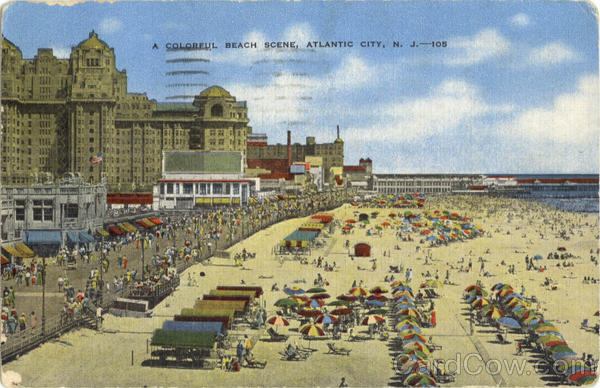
[73, 237]
[113, 229]
[103, 232]
[197, 326]
[42, 237]
[183, 339]
[85, 238]
[155, 221]
[300, 238]
[145, 223]
[12, 251]
[4, 260]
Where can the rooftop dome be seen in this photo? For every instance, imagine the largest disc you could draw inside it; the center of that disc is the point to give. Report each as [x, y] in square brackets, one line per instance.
[215, 91]
[93, 42]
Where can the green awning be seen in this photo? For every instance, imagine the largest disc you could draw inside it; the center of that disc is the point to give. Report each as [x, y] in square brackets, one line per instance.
[183, 339]
[302, 235]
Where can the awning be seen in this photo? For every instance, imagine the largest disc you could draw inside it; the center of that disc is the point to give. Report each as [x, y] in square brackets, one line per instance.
[85, 238]
[42, 237]
[114, 230]
[146, 223]
[156, 221]
[73, 237]
[4, 260]
[103, 232]
[128, 227]
[11, 251]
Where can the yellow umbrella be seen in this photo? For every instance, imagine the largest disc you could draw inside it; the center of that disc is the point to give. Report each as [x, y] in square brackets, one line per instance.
[434, 283]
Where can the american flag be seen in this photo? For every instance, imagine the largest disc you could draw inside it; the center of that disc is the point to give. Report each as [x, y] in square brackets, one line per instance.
[97, 159]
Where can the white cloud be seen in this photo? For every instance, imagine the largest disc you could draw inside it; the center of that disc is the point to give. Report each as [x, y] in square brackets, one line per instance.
[451, 104]
[472, 50]
[553, 53]
[61, 52]
[301, 33]
[573, 118]
[520, 20]
[110, 25]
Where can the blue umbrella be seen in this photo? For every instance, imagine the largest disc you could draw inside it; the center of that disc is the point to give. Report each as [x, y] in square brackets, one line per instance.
[431, 238]
[405, 299]
[467, 226]
[550, 333]
[558, 356]
[327, 320]
[406, 221]
[414, 339]
[405, 306]
[472, 298]
[405, 229]
[537, 257]
[402, 288]
[411, 327]
[509, 322]
[533, 321]
[314, 303]
[514, 294]
[289, 291]
[375, 302]
[517, 307]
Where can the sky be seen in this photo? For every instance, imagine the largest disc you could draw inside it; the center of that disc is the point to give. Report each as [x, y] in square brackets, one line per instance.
[513, 87]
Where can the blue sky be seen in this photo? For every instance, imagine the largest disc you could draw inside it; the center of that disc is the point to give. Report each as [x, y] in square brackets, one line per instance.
[515, 90]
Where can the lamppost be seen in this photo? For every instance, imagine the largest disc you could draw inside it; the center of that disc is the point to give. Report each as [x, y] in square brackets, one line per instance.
[43, 296]
[143, 266]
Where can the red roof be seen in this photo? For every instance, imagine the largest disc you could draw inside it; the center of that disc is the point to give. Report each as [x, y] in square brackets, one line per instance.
[477, 187]
[256, 144]
[277, 175]
[500, 176]
[129, 198]
[583, 180]
[273, 165]
[354, 168]
[367, 160]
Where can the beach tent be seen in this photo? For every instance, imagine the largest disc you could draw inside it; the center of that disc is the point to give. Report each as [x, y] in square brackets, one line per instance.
[300, 238]
[362, 250]
[183, 339]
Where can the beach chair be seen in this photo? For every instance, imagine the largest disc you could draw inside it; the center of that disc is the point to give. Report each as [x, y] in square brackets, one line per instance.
[333, 349]
[291, 355]
[431, 294]
[251, 362]
[276, 337]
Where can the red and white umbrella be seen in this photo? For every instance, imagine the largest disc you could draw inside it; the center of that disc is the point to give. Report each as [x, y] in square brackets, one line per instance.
[278, 321]
[372, 320]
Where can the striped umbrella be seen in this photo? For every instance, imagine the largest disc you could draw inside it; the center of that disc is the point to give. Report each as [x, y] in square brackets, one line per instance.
[349, 298]
[310, 312]
[372, 319]
[327, 319]
[359, 291]
[408, 326]
[278, 321]
[311, 330]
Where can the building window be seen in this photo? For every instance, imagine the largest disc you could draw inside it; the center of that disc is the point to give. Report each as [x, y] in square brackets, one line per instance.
[188, 188]
[71, 210]
[202, 188]
[236, 189]
[169, 188]
[177, 188]
[227, 188]
[20, 210]
[162, 188]
[216, 110]
[217, 188]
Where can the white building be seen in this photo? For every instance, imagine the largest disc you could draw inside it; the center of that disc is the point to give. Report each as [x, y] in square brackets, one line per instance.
[423, 183]
[198, 179]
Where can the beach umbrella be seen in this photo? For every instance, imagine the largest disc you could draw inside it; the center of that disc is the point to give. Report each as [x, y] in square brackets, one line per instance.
[346, 228]
[412, 367]
[405, 306]
[348, 298]
[407, 358]
[350, 221]
[404, 299]
[414, 352]
[315, 303]
[408, 327]
[556, 333]
[293, 291]
[311, 330]
[339, 303]
[574, 364]
[399, 289]
[504, 287]
[532, 319]
[583, 377]
[309, 312]
[327, 319]
[487, 308]
[278, 321]
[403, 293]
[538, 257]
[417, 337]
[375, 303]
[494, 313]
[545, 327]
[341, 311]
[397, 283]
[505, 292]
[513, 295]
[509, 322]
[392, 215]
[409, 312]
[320, 296]
[300, 299]
[560, 349]
[547, 338]
[479, 303]
[597, 313]
[359, 291]
[316, 290]
[379, 290]
[554, 343]
[517, 307]
[417, 346]
[286, 302]
[564, 355]
[377, 297]
[372, 319]
[431, 238]
[471, 298]
[478, 291]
